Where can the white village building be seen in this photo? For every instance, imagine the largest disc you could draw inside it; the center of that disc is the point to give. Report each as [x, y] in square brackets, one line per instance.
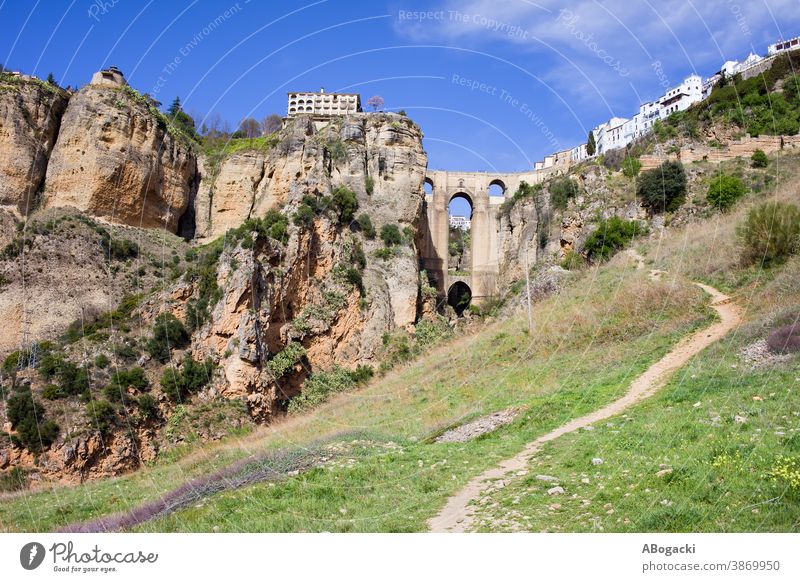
[461, 222]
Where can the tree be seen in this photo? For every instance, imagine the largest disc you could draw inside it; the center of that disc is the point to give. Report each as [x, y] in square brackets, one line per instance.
[51, 79]
[180, 119]
[175, 107]
[250, 128]
[724, 191]
[168, 333]
[759, 159]
[662, 189]
[591, 145]
[344, 203]
[193, 375]
[271, 123]
[376, 102]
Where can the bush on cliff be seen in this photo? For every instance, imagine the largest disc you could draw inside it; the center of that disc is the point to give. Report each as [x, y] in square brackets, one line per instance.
[611, 235]
[724, 191]
[662, 189]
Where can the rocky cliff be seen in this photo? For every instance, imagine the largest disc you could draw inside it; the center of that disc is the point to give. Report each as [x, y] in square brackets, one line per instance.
[30, 116]
[116, 158]
[293, 282]
[299, 293]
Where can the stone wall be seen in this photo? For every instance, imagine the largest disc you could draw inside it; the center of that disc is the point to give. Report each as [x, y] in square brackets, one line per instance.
[743, 148]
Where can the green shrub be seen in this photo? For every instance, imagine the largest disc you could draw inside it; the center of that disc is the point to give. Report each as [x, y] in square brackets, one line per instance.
[283, 362]
[572, 261]
[365, 223]
[304, 215]
[385, 253]
[631, 167]
[148, 406]
[611, 235]
[662, 189]
[562, 190]
[344, 204]
[102, 361]
[119, 249]
[274, 225]
[355, 278]
[177, 384]
[770, 233]
[320, 386]
[391, 235]
[759, 159]
[724, 191]
[134, 378]
[72, 380]
[26, 415]
[102, 415]
[369, 185]
[124, 351]
[168, 333]
[52, 392]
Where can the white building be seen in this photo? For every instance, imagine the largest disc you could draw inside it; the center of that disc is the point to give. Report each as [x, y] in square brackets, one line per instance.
[784, 45]
[578, 154]
[461, 222]
[609, 135]
[323, 104]
[682, 97]
[618, 132]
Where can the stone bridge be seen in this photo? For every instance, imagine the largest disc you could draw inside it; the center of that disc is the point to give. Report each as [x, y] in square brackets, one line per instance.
[474, 187]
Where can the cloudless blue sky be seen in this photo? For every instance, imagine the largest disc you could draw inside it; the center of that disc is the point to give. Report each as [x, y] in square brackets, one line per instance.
[495, 85]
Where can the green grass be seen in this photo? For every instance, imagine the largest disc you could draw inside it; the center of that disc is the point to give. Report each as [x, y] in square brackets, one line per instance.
[588, 345]
[719, 468]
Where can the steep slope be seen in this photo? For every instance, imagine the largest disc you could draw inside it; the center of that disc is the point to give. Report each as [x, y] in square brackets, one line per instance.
[117, 158]
[303, 291]
[30, 116]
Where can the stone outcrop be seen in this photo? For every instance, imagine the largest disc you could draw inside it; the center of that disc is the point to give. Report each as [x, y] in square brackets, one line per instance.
[268, 289]
[304, 160]
[115, 159]
[30, 115]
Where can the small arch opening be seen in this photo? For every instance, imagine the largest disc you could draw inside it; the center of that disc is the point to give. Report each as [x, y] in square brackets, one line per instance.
[459, 297]
[497, 188]
[428, 186]
[460, 206]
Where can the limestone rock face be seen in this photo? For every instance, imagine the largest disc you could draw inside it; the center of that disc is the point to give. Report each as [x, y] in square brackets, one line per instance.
[518, 235]
[306, 160]
[116, 160]
[30, 115]
[274, 295]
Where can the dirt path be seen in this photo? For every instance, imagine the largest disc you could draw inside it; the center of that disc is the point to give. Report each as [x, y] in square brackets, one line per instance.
[458, 515]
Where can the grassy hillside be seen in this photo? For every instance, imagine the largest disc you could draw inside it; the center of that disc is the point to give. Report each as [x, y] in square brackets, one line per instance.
[707, 453]
[589, 342]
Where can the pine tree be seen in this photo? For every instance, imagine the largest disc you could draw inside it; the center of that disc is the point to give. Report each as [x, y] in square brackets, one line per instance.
[175, 108]
[591, 146]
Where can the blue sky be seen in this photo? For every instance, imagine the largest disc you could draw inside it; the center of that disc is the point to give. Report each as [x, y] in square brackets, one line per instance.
[494, 84]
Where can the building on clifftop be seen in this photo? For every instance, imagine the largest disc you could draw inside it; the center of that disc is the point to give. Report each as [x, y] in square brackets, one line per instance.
[323, 104]
[111, 76]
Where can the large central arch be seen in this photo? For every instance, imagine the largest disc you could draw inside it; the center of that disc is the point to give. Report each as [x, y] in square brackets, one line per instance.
[486, 194]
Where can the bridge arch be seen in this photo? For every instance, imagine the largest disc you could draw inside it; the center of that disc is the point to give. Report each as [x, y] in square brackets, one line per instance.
[459, 297]
[428, 185]
[497, 187]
